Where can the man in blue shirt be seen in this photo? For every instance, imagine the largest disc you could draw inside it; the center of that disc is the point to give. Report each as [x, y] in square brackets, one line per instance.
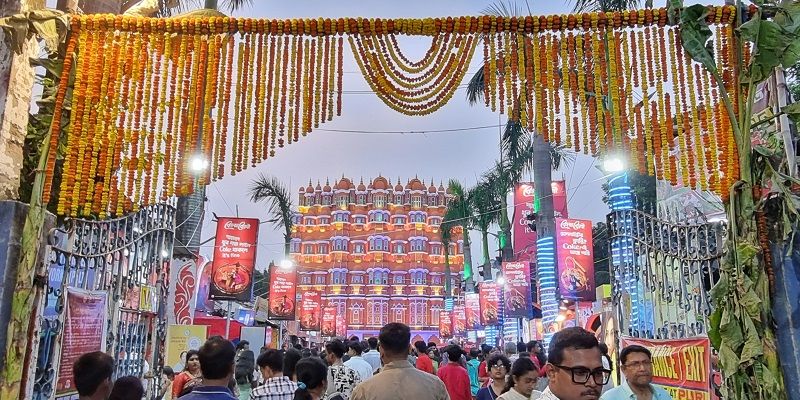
[216, 363]
[637, 365]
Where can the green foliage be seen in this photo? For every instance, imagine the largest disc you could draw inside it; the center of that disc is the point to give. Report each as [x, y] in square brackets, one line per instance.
[695, 34]
[279, 204]
[261, 283]
[643, 187]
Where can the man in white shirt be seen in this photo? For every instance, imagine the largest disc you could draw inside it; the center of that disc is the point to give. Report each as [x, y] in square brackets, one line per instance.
[357, 362]
[372, 356]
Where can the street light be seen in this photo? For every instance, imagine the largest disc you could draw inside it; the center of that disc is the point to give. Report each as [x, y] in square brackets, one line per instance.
[198, 163]
[613, 165]
[501, 280]
[286, 264]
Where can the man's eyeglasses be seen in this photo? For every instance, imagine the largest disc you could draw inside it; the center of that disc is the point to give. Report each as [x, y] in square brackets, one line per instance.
[638, 364]
[581, 375]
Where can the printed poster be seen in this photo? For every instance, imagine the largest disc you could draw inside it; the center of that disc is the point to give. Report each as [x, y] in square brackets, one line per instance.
[575, 259]
[85, 317]
[517, 290]
[490, 303]
[459, 321]
[472, 310]
[681, 366]
[282, 293]
[329, 321]
[180, 339]
[445, 325]
[341, 326]
[234, 259]
[525, 199]
[310, 310]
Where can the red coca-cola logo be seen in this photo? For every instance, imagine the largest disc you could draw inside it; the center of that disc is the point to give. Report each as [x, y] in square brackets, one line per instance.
[239, 226]
[572, 224]
[527, 190]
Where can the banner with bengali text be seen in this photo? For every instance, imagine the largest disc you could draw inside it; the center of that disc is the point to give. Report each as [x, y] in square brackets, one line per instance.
[472, 309]
[517, 290]
[234, 259]
[282, 293]
[180, 339]
[490, 303]
[681, 366]
[445, 324]
[459, 321]
[525, 199]
[85, 327]
[575, 259]
[310, 310]
[329, 321]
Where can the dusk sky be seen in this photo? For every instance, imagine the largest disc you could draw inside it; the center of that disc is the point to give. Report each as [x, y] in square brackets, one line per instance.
[463, 155]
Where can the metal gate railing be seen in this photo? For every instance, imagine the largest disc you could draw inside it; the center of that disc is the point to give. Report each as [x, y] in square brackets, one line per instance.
[129, 258]
[662, 272]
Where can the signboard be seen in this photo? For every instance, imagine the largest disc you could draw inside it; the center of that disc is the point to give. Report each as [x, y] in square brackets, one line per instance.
[517, 290]
[234, 259]
[256, 335]
[180, 339]
[445, 324]
[329, 321]
[459, 321]
[341, 326]
[490, 303]
[525, 199]
[575, 259]
[310, 310]
[472, 310]
[282, 293]
[681, 366]
[85, 321]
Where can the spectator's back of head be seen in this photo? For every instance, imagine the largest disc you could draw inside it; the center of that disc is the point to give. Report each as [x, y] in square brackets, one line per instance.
[127, 388]
[570, 338]
[421, 347]
[373, 343]
[272, 359]
[354, 338]
[92, 374]
[311, 374]
[355, 347]
[336, 348]
[216, 358]
[290, 360]
[167, 370]
[510, 348]
[521, 347]
[453, 352]
[395, 339]
[474, 353]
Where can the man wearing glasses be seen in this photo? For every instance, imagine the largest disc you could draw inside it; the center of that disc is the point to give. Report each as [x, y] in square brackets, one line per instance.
[637, 365]
[574, 367]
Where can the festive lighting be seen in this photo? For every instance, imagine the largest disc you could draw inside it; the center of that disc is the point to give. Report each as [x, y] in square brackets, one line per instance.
[613, 165]
[286, 264]
[546, 265]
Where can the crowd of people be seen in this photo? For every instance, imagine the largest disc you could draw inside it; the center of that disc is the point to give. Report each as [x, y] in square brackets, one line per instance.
[389, 367]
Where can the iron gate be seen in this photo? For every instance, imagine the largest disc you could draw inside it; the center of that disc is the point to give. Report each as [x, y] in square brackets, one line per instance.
[662, 272]
[129, 259]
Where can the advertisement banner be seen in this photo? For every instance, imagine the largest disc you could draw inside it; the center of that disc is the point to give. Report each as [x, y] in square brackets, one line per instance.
[310, 310]
[575, 259]
[180, 339]
[525, 199]
[490, 303]
[282, 293]
[329, 321]
[85, 321]
[341, 326]
[234, 259]
[445, 325]
[681, 366]
[472, 309]
[517, 290]
[459, 321]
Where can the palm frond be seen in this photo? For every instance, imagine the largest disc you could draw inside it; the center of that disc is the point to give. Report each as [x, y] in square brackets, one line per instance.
[278, 199]
[515, 136]
[485, 203]
[170, 8]
[583, 6]
[561, 156]
[504, 9]
[475, 87]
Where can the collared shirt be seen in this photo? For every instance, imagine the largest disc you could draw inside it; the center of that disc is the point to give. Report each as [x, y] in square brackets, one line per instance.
[373, 358]
[472, 370]
[280, 388]
[546, 395]
[361, 366]
[624, 392]
[456, 380]
[209, 393]
[399, 380]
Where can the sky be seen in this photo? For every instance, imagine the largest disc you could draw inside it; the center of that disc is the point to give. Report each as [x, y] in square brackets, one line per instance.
[463, 155]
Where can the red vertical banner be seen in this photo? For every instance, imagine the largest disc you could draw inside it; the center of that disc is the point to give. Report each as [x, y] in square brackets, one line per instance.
[85, 321]
[559, 190]
[341, 326]
[234, 259]
[524, 236]
[329, 321]
[472, 309]
[445, 324]
[490, 303]
[459, 320]
[282, 293]
[310, 310]
[517, 290]
[575, 259]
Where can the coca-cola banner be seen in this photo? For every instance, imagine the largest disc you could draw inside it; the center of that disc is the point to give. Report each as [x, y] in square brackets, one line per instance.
[472, 310]
[526, 201]
[282, 293]
[445, 325]
[329, 321]
[459, 321]
[310, 310]
[575, 259]
[234, 259]
[490, 303]
[517, 290]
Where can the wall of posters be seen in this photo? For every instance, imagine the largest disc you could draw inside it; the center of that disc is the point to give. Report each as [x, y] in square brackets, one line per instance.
[329, 321]
[85, 323]
[517, 290]
[180, 339]
[282, 293]
[445, 325]
[472, 310]
[234, 259]
[681, 366]
[459, 321]
[310, 310]
[490, 303]
[575, 259]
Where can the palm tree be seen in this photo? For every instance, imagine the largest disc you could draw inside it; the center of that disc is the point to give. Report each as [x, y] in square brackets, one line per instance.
[485, 205]
[171, 8]
[445, 233]
[582, 6]
[279, 205]
[459, 212]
